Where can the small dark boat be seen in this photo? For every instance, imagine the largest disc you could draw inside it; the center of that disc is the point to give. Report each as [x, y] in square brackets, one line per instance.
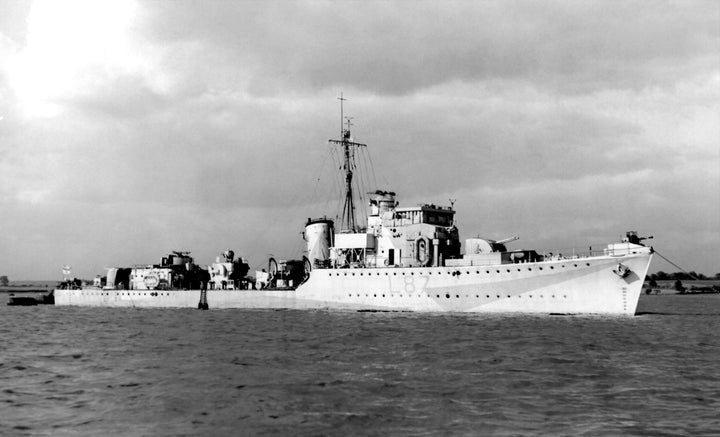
[45, 299]
[22, 301]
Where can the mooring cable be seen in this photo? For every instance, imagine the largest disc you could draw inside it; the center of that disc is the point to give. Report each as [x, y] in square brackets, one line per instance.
[677, 266]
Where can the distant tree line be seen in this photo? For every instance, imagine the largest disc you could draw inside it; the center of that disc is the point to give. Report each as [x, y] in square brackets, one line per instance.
[4, 281]
[682, 276]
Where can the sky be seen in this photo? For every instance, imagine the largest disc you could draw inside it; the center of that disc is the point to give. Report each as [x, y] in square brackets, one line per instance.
[129, 129]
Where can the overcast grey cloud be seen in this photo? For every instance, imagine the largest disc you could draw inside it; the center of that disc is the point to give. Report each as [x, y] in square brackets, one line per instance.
[399, 47]
[132, 128]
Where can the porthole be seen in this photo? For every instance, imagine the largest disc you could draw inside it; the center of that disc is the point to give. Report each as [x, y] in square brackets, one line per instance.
[457, 296]
[374, 295]
[540, 268]
[575, 265]
[487, 271]
[447, 296]
[551, 267]
[529, 269]
[508, 270]
[588, 264]
[497, 271]
[487, 296]
[383, 295]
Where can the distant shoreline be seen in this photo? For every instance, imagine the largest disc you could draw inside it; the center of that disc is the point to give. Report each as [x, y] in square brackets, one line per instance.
[27, 288]
[692, 287]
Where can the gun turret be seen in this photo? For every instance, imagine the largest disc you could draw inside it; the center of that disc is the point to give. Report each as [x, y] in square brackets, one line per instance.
[633, 238]
[507, 240]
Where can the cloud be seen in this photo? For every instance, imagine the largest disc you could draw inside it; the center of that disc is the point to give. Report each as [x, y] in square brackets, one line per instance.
[168, 125]
[399, 48]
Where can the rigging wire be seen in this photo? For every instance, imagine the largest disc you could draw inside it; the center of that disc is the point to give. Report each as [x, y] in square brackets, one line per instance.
[313, 196]
[337, 185]
[372, 166]
[368, 164]
[677, 266]
[332, 185]
[360, 188]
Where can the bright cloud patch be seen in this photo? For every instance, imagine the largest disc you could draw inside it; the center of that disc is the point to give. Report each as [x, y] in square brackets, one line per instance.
[70, 45]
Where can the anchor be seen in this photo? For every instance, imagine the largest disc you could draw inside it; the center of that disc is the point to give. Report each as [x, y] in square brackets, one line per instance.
[622, 270]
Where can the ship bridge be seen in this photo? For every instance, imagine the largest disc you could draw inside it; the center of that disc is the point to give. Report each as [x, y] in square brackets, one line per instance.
[422, 214]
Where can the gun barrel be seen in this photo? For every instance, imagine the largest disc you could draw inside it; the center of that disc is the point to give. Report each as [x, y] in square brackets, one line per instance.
[507, 240]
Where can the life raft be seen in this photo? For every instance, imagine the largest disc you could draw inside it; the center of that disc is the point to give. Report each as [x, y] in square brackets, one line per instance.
[422, 251]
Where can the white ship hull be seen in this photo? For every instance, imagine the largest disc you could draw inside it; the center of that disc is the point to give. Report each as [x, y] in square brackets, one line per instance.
[567, 286]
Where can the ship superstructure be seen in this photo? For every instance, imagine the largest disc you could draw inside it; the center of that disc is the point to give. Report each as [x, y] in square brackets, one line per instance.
[403, 258]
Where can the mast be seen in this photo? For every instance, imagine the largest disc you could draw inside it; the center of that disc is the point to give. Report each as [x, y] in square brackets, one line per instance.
[347, 220]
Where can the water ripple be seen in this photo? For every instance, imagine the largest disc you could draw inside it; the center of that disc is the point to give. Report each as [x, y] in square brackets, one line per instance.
[70, 371]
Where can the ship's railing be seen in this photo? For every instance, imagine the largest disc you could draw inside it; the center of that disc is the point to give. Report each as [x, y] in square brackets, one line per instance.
[616, 249]
[229, 285]
[569, 254]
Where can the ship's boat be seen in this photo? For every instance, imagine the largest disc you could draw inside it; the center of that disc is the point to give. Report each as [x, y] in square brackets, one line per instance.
[406, 258]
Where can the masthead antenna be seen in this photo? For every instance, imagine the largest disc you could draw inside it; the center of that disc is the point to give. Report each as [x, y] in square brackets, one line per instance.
[342, 99]
[346, 134]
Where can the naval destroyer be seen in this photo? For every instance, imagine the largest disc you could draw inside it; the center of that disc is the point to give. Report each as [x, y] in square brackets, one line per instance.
[398, 259]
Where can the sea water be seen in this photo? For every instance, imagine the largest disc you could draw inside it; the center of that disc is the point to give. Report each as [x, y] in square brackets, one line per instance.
[90, 371]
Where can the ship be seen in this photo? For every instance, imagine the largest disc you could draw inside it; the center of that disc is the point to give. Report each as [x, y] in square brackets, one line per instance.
[407, 258]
